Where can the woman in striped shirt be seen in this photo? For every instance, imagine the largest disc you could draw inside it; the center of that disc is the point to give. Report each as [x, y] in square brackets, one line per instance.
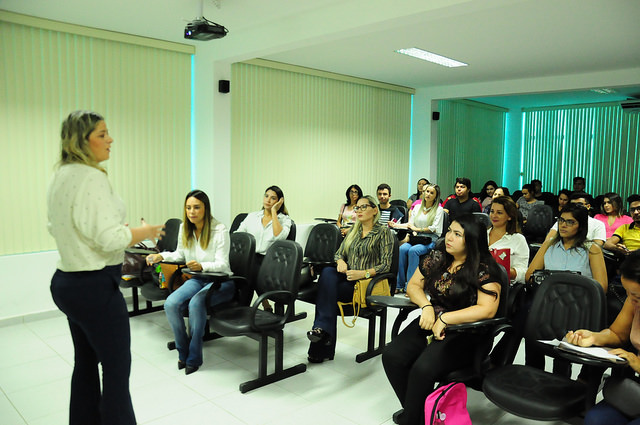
[364, 253]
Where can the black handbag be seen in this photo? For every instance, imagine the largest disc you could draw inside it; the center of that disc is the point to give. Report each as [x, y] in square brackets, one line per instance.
[419, 239]
[623, 394]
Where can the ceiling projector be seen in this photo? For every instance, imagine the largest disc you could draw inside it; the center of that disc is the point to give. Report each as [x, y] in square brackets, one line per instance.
[203, 29]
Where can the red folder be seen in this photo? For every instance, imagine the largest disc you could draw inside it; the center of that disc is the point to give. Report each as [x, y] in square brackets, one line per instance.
[503, 257]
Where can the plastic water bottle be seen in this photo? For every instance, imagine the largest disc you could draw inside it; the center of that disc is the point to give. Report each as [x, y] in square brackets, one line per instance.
[161, 279]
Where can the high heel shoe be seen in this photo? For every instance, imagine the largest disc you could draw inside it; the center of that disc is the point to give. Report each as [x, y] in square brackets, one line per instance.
[190, 369]
[312, 359]
[181, 365]
[316, 335]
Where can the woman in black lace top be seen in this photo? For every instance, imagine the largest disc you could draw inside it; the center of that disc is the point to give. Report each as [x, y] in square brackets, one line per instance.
[457, 283]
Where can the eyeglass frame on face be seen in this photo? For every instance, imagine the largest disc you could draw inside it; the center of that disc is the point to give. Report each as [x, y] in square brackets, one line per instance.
[570, 222]
[632, 209]
[363, 207]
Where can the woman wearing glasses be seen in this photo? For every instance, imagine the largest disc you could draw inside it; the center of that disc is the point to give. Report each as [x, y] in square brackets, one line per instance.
[568, 250]
[364, 253]
[347, 216]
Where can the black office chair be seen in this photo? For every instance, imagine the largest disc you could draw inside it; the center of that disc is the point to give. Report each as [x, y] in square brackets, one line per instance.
[169, 242]
[236, 222]
[277, 281]
[242, 251]
[539, 222]
[562, 302]
[322, 244]
[399, 202]
[483, 219]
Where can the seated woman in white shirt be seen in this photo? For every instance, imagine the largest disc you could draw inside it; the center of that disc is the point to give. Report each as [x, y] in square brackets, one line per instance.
[203, 244]
[425, 219]
[270, 224]
[504, 234]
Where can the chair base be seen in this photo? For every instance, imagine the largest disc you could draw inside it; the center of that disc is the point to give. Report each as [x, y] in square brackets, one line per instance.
[274, 377]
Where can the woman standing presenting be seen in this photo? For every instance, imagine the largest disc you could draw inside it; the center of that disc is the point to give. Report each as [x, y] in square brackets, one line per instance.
[86, 219]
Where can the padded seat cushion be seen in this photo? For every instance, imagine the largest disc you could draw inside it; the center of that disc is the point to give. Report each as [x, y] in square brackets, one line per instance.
[236, 321]
[548, 397]
[153, 292]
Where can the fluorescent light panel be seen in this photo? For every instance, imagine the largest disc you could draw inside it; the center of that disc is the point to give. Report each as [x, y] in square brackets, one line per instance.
[431, 57]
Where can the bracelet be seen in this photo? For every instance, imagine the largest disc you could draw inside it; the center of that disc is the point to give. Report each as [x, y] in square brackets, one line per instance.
[442, 320]
[426, 305]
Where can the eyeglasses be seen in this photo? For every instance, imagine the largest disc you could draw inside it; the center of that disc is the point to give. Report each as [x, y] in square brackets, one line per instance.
[362, 208]
[568, 222]
[633, 209]
[354, 192]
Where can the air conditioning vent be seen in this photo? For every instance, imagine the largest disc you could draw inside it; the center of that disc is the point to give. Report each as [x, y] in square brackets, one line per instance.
[630, 106]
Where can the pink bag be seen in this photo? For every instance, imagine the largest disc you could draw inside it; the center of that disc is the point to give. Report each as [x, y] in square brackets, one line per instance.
[447, 405]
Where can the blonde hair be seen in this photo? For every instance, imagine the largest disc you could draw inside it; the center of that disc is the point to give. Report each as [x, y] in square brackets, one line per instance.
[74, 138]
[430, 211]
[356, 230]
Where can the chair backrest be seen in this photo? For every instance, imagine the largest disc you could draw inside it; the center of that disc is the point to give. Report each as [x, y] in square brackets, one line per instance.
[483, 219]
[236, 222]
[564, 302]
[395, 262]
[445, 223]
[539, 220]
[169, 241]
[292, 232]
[280, 270]
[322, 243]
[398, 202]
[241, 253]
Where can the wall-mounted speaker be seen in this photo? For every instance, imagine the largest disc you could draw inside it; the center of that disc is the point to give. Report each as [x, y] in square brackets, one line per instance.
[435, 115]
[224, 86]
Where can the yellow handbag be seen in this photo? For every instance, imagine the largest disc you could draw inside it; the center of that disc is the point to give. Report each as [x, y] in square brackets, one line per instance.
[360, 297]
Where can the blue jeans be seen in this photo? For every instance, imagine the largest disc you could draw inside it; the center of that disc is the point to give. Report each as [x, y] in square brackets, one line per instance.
[408, 261]
[192, 295]
[605, 414]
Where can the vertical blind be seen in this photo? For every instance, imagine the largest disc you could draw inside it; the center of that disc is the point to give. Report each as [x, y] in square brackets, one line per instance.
[598, 142]
[314, 136]
[144, 94]
[470, 143]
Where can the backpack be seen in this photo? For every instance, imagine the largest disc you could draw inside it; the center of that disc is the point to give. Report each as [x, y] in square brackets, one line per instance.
[447, 405]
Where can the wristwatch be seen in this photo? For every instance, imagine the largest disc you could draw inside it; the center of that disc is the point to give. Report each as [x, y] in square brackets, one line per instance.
[367, 275]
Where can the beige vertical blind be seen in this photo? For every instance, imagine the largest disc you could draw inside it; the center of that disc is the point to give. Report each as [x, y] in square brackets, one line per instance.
[313, 136]
[470, 143]
[144, 94]
[598, 142]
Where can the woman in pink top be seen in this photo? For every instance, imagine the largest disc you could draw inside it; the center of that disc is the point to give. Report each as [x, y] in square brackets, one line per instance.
[612, 213]
[624, 330]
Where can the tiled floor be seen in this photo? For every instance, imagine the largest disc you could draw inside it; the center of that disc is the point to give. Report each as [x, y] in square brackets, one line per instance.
[36, 364]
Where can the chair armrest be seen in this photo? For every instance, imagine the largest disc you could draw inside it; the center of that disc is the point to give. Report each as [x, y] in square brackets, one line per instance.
[216, 277]
[174, 263]
[478, 325]
[140, 251]
[308, 261]
[258, 302]
[377, 278]
[392, 302]
[327, 220]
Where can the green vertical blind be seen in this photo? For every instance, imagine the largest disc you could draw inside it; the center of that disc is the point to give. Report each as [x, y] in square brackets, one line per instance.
[144, 94]
[471, 138]
[598, 142]
[314, 136]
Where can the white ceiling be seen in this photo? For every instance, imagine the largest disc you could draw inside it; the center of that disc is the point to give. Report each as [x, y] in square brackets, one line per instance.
[499, 39]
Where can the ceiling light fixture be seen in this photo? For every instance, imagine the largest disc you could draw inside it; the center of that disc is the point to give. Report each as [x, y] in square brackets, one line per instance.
[431, 57]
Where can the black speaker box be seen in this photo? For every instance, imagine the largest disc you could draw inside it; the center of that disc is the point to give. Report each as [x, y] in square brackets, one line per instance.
[435, 115]
[223, 86]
